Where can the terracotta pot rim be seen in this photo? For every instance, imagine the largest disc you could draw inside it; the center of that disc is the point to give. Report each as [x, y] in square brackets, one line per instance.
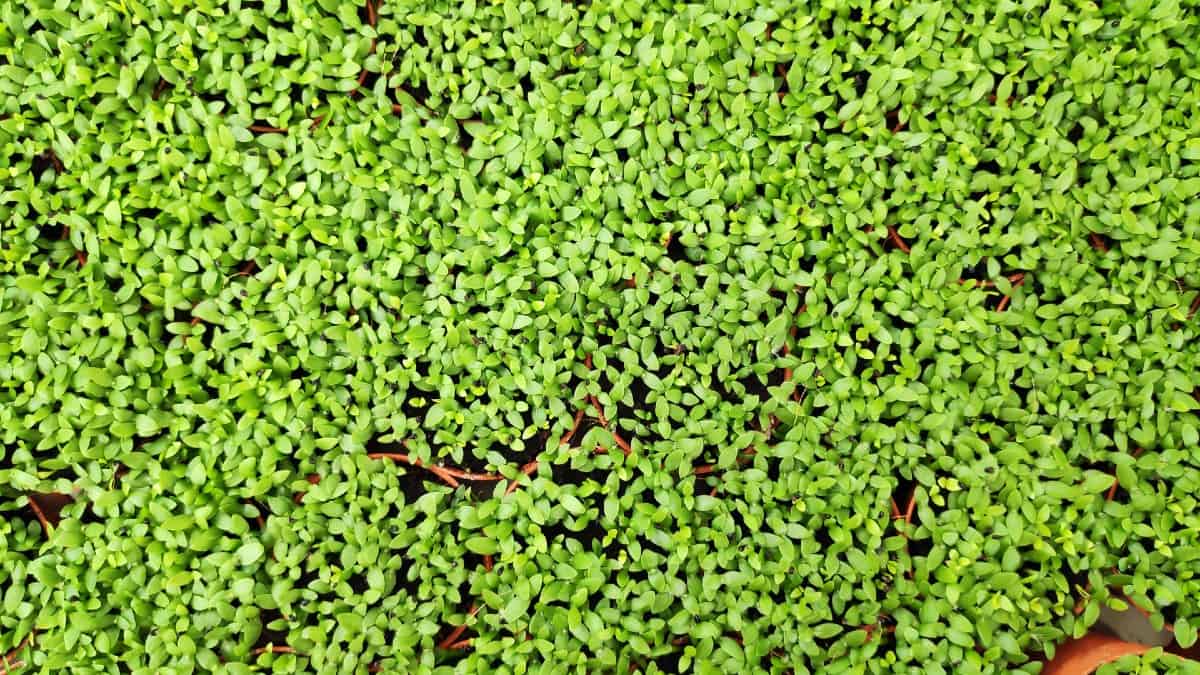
[1085, 655]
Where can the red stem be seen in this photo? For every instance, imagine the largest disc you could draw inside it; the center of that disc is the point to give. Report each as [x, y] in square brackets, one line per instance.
[1112, 491]
[438, 471]
[1016, 279]
[599, 410]
[895, 237]
[566, 439]
[37, 511]
[274, 649]
[624, 445]
[10, 661]
[264, 129]
[451, 639]
[1098, 243]
[464, 475]
[528, 470]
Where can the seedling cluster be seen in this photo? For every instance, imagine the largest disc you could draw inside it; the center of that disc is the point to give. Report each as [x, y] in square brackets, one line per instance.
[601, 336]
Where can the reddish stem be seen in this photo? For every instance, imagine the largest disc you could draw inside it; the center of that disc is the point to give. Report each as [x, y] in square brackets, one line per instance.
[10, 661]
[1098, 243]
[452, 638]
[465, 475]
[599, 410]
[488, 563]
[264, 129]
[274, 649]
[895, 237]
[1016, 279]
[624, 445]
[438, 471]
[574, 427]
[528, 470]
[1194, 308]
[461, 644]
[159, 88]
[1112, 491]
[37, 511]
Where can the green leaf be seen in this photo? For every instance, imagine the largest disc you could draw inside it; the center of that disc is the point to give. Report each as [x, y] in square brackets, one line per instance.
[250, 552]
[1096, 481]
[1185, 633]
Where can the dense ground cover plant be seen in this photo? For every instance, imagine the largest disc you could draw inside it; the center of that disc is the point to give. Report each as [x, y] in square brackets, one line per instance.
[1154, 663]
[598, 336]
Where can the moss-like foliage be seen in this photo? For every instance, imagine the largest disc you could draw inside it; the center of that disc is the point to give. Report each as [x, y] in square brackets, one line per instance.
[624, 335]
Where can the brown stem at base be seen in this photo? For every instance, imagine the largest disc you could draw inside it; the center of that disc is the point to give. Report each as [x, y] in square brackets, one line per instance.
[599, 410]
[264, 129]
[1112, 490]
[528, 470]
[1016, 279]
[274, 649]
[247, 269]
[159, 88]
[452, 638]
[466, 475]
[37, 511]
[11, 662]
[566, 439]
[438, 471]
[895, 237]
